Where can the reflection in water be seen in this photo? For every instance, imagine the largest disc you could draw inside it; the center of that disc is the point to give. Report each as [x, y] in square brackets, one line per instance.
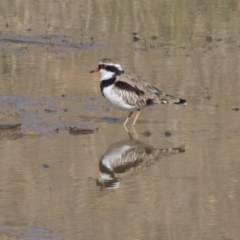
[129, 158]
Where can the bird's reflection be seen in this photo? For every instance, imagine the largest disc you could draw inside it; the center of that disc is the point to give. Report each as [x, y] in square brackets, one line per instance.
[128, 158]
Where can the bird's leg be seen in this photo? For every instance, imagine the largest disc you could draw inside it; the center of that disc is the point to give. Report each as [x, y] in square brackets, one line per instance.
[129, 134]
[135, 133]
[136, 117]
[130, 114]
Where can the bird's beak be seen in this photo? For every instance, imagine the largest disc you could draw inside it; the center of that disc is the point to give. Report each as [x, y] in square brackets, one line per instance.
[95, 70]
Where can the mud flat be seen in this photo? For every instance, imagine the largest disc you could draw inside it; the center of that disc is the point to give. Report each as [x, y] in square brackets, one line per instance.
[22, 116]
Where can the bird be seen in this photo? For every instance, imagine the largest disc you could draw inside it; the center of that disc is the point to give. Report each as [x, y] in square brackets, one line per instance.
[128, 90]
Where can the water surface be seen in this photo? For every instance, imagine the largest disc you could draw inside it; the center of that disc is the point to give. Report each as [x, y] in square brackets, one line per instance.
[175, 176]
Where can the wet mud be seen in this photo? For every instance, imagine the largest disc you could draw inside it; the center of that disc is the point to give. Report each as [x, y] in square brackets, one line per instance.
[20, 43]
[21, 116]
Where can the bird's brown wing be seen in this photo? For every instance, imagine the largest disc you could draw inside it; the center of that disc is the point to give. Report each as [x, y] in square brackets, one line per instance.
[138, 92]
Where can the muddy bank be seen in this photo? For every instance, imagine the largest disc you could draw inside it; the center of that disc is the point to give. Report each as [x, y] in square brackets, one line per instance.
[22, 116]
[46, 40]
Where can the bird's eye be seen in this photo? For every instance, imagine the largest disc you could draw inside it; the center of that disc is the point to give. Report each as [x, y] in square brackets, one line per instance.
[102, 66]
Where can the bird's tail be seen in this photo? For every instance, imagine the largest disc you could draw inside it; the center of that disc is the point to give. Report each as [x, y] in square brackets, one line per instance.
[168, 99]
[181, 101]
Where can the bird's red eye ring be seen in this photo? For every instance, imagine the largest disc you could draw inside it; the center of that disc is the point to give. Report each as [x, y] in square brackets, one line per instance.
[102, 66]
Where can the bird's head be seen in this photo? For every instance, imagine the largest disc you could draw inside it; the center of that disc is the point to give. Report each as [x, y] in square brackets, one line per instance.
[108, 67]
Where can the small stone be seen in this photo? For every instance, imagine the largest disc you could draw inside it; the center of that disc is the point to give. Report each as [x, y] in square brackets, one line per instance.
[63, 95]
[49, 110]
[46, 166]
[235, 109]
[10, 125]
[136, 39]
[209, 39]
[79, 131]
[167, 134]
[147, 134]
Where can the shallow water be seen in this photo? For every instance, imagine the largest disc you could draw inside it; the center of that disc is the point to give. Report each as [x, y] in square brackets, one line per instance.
[175, 176]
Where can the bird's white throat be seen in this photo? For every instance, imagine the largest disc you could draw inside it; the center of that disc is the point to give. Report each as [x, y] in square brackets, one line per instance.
[109, 74]
[106, 74]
